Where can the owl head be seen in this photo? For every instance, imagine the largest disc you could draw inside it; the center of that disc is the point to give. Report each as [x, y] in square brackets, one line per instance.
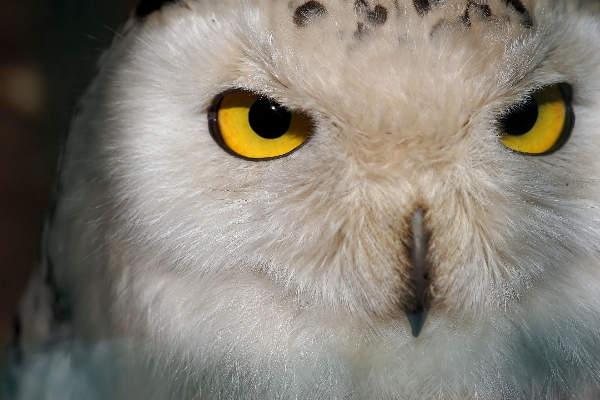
[380, 196]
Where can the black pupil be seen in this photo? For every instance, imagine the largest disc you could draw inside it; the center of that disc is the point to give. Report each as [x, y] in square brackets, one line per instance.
[268, 119]
[521, 118]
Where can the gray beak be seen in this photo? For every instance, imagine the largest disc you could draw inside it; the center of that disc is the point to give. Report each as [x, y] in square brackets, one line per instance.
[416, 307]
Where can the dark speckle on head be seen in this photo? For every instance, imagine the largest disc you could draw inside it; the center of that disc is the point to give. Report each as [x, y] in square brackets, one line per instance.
[439, 26]
[520, 8]
[378, 15]
[361, 31]
[308, 12]
[422, 6]
[518, 5]
[374, 16]
[147, 7]
[483, 10]
[361, 5]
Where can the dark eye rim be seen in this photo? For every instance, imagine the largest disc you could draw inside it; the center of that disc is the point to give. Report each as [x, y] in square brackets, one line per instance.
[566, 91]
[213, 126]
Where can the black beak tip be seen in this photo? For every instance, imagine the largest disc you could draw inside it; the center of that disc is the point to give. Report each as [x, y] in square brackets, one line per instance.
[416, 319]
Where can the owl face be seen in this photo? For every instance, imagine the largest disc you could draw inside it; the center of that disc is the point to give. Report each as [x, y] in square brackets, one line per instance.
[376, 185]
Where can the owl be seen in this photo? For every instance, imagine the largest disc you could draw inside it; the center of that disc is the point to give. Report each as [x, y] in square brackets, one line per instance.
[334, 199]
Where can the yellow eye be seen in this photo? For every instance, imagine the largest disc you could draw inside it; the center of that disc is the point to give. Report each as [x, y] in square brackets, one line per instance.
[541, 124]
[255, 127]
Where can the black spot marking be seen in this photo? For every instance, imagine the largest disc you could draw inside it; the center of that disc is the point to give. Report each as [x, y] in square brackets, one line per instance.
[361, 6]
[422, 6]
[361, 31]
[520, 8]
[308, 12]
[374, 16]
[378, 15]
[147, 7]
[518, 5]
[440, 25]
[483, 10]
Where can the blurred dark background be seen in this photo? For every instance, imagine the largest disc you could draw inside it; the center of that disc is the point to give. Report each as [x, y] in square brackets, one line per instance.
[48, 54]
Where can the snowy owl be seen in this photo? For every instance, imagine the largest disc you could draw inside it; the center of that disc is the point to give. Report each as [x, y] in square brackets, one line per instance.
[335, 199]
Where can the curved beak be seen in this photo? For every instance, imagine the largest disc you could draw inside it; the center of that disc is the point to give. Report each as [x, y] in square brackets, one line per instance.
[417, 306]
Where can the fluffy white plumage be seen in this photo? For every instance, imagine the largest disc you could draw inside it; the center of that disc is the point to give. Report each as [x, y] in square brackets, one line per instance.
[288, 278]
